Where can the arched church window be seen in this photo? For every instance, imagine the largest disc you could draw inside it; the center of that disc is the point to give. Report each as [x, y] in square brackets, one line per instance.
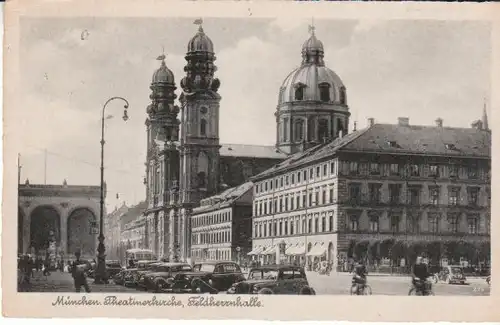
[311, 129]
[340, 126]
[299, 130]
[324, 92]
[203, 127]
[299, 91]
[343, 98]
[323, 129]
[202, 183]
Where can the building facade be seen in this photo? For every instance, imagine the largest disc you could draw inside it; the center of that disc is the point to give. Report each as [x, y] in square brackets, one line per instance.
[221, 226]
[383, 194]
[134, 234]
[58, 219]
[112, 232]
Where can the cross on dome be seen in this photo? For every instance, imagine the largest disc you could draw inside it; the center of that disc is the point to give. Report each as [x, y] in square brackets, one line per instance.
[199, 22]
[311, 27]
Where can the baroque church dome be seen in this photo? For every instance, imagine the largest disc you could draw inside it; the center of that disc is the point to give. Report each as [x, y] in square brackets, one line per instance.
[200, 43]
[163, 74]
[312, 81]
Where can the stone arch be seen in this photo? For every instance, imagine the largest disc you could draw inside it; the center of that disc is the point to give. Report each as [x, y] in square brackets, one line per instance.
[81, 222]
[45, 227]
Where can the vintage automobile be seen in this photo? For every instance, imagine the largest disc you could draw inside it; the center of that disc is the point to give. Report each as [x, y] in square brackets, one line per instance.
[274, 279]
[113, 267]
[206, 277]
[161, 275]
[131, 276]
[139, 274]
[118, 278]
[452, 274]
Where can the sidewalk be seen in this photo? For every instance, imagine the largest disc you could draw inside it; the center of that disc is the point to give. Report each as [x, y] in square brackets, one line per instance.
[63, 282]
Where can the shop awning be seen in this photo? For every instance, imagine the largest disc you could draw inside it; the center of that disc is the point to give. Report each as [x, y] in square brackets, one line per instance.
[269, 251]
[296, 250]
[256, 251]
[317, 250]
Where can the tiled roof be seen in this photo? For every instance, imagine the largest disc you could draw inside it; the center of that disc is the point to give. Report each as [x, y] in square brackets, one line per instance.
[248, 150]
[225, 198]
[394, 139]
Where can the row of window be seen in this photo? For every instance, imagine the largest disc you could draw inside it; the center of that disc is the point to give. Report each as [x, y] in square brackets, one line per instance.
[296, 130]
[413, 194]
[326, 170]
[204, 220]
[220, 236]
[413, 224]
[216, 255]
[297, 178]
[412, 170]
[293, 225]
[319, 195]
[324, 92]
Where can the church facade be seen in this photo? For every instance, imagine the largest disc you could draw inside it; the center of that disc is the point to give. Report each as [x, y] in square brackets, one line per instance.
[187, 164]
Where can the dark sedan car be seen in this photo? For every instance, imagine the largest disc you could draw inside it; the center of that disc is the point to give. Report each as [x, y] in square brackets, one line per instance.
[131, 277]
[274, 279]
[211, 277]
[161, 276]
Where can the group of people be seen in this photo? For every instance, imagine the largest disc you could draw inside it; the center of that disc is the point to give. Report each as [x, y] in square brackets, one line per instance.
[419, 275]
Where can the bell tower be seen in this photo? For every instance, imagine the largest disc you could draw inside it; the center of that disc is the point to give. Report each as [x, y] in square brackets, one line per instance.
[162, 166]
[199, 143]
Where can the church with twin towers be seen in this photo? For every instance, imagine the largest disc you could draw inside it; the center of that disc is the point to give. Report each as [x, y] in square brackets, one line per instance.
[186, 162]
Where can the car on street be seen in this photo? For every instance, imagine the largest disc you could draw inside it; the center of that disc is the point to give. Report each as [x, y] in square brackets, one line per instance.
[113, 267]
[131, 276]
[207, 277]
[274, 279]
[162, 275]
[452, 274]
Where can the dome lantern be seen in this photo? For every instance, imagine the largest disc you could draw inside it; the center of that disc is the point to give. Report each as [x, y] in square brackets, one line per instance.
[312, 49]
[163, 74]
[200, 42]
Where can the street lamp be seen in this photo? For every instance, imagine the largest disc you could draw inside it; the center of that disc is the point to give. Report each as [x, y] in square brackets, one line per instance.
[100, 276]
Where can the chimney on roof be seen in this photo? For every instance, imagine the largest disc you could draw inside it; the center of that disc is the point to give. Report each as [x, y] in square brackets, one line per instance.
[403, 121]
[371, 121]
[439, 122]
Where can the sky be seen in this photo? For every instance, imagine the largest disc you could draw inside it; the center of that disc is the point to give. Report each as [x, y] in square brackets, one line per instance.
[70, 67]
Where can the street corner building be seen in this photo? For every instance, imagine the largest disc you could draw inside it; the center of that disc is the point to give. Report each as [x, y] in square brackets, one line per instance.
[383, 194]
[55, 221]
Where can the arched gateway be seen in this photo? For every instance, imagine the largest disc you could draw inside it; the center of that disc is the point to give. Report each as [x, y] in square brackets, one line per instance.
[58, 220]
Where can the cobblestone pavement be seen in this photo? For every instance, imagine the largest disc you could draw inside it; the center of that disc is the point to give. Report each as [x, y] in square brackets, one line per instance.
[63, 282]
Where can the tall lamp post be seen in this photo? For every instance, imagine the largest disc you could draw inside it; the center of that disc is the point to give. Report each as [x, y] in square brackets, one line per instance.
[100, 276]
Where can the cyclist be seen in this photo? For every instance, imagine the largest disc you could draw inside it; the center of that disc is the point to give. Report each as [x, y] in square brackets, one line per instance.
[359, 276]
[419, 274]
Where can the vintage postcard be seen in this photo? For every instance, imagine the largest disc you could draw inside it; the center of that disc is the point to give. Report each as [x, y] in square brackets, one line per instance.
[220, 160]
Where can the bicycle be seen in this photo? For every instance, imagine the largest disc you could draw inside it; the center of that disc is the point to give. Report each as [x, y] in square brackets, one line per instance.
[361, 289]
[422, 289]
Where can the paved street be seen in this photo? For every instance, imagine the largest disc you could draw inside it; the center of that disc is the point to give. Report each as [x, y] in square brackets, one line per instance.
[336, 284]
[339, 284]
[63, 282]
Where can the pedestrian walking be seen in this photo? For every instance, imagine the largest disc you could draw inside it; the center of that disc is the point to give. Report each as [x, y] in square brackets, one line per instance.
[78, 273]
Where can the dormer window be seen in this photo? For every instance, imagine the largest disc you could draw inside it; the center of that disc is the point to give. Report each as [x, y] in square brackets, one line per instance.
[299, 91]
[392, 144]
[324, 92]
[343, 97]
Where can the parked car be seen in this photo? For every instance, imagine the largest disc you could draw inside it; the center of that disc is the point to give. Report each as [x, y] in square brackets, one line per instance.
[113, 267]
[274, 279]
[118, 278]
[452, 274]
[162, 275]
[131, 277]
[207, 277]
